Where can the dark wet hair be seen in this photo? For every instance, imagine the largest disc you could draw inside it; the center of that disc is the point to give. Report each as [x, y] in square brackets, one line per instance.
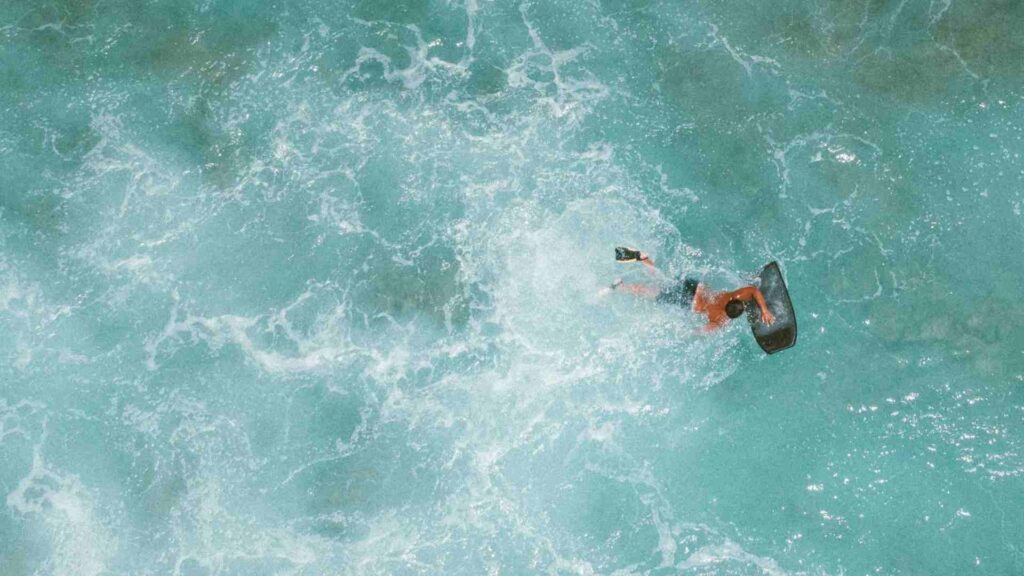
[734, 309]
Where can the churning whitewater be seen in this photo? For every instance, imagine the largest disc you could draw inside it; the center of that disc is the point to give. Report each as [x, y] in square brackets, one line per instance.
[314, 288]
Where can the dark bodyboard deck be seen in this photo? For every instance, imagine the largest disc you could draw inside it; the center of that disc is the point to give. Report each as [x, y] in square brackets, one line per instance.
[782, 333]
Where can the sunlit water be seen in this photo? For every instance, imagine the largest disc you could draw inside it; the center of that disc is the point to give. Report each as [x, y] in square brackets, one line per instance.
[311, 287]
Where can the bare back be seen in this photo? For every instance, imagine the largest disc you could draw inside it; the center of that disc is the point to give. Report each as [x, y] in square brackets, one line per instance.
[713, 304]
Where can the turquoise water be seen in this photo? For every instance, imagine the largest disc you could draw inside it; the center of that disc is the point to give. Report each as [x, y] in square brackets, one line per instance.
[311, 287]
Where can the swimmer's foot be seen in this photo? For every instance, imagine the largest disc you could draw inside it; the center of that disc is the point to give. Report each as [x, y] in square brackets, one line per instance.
[624, 254]
[606, 291]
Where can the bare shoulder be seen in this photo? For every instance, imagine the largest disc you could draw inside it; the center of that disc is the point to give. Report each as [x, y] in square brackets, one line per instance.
[701, 297]
[744, 293]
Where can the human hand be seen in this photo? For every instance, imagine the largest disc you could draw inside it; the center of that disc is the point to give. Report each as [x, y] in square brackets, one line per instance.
[767, 317]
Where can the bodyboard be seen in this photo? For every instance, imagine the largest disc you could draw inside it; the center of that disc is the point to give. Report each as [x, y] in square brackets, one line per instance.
[782, 333]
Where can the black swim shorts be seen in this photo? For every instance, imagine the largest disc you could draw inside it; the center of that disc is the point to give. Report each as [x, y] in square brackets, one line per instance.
[681, 293]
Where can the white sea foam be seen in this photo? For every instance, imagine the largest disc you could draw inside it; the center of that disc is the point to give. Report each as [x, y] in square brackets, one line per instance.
[22, 419]
[322, 345]
[80, 542]
[726, 554]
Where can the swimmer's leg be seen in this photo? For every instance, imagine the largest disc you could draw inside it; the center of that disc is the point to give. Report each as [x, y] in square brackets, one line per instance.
[641, 290]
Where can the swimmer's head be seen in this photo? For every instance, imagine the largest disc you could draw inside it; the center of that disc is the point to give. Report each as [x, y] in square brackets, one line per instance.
[734, 309]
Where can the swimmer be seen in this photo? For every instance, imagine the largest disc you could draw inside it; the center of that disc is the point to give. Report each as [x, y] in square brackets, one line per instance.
[719, 307]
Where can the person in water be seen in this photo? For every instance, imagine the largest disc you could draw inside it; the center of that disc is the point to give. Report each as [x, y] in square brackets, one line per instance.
[719, 307]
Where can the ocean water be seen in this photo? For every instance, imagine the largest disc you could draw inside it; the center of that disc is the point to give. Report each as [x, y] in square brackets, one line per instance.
[310, 287]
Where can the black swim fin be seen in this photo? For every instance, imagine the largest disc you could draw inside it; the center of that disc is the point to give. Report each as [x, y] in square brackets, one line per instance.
[623, 254]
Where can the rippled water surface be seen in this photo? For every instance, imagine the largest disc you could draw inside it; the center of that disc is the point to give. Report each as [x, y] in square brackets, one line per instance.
[310, 287]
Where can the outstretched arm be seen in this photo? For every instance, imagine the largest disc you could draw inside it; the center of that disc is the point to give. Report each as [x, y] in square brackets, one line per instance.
[752, 293]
